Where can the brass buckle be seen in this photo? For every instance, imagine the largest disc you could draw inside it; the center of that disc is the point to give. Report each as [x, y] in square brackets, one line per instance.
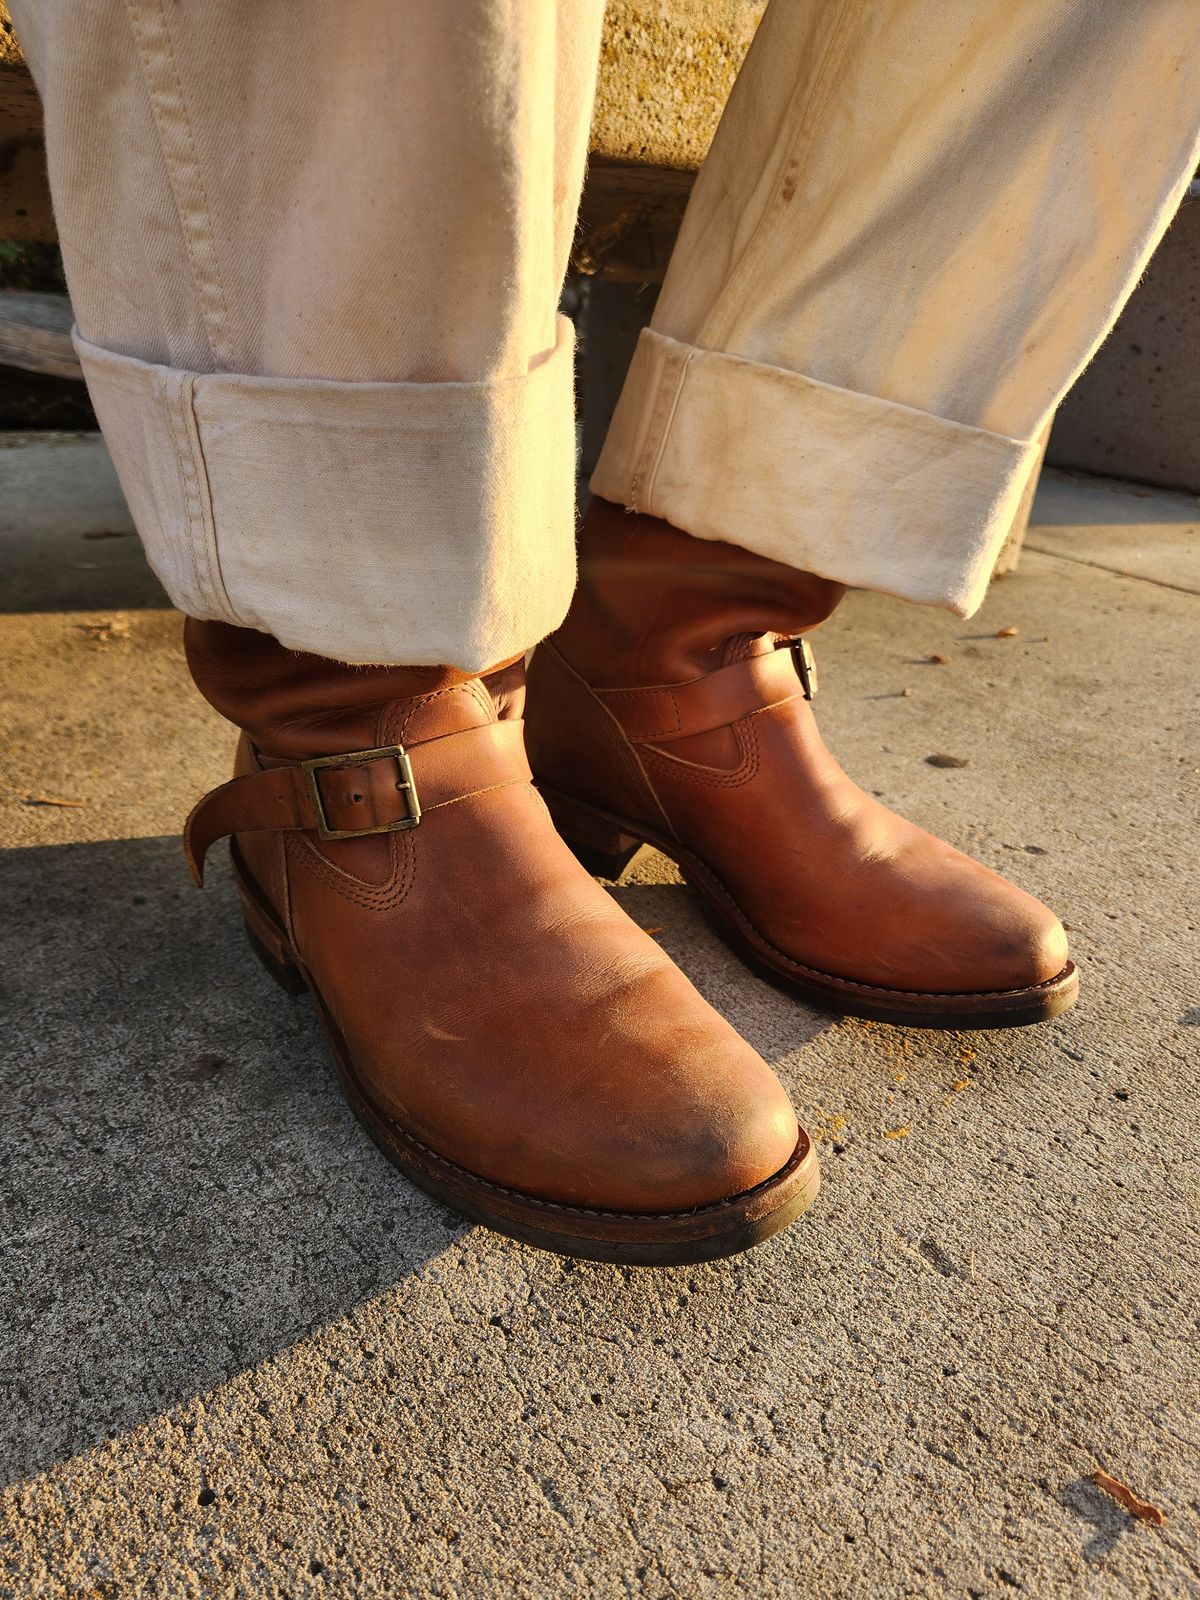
[359, 758]
[806, 667]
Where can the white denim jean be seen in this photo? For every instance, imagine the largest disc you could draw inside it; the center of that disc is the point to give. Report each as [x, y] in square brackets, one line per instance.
[315, 255]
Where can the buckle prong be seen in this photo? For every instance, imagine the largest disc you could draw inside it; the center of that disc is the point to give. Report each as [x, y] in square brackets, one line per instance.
[360, 758]
[806, 666]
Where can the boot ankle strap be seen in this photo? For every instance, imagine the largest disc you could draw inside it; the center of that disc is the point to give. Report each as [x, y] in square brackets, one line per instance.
[675, 711]
[365, 792]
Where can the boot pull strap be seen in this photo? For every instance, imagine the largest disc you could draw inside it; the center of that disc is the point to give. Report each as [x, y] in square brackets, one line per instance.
[675, 711]
[383, 790]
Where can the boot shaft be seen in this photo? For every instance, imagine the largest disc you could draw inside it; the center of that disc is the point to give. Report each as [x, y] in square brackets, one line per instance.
[656, 606]
[292, 706]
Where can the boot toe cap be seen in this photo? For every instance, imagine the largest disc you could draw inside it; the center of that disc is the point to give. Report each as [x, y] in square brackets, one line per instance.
[734, 1144]
[1023, 943]
[706, 1120]
[1046, 952]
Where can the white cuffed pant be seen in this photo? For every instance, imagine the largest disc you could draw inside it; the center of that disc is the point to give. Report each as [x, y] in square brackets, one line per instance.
[315, 254]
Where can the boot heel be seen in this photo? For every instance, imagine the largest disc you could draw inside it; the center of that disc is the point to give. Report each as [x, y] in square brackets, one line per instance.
[285, 972]
[595, 842]
[262, 934]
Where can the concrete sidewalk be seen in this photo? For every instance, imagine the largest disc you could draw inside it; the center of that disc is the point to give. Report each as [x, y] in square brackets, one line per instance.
[244, 1358]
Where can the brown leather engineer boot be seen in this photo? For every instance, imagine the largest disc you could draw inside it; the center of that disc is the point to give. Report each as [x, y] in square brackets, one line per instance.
[673, 708]
[506, 1034]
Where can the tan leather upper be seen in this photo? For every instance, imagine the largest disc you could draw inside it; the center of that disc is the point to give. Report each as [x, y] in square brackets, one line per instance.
[727, 759]
[495, 1001]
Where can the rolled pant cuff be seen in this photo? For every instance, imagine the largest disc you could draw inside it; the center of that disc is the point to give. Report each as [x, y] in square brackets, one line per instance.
[370, 522]
[854, 488]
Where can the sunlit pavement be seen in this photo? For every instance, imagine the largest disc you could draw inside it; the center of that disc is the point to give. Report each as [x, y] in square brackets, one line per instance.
[244, 1357]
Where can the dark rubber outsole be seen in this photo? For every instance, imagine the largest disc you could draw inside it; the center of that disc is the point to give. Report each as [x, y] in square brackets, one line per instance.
[606, 844]
[706, 1233]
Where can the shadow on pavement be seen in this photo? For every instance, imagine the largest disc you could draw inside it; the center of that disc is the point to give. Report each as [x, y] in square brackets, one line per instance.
[1108, 1520]
[184, 1191]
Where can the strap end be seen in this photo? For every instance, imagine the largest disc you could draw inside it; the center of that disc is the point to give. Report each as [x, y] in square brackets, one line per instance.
[194, 860]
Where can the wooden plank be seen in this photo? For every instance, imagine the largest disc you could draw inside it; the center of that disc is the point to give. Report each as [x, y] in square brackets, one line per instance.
[628, 220]
[35, 334]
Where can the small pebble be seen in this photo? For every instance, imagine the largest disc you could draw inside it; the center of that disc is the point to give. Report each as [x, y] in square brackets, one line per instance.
[1007, 633]
[946, 761]
[202, 1068]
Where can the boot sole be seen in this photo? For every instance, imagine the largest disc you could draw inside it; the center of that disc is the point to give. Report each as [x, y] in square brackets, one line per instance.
[676, 1238]
[605, 844]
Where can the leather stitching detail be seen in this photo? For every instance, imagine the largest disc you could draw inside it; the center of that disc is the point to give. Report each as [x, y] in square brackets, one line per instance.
[675, 769]
[851, 985]
[304, 854]
[614, 735]
[803, 1144]
[383, 896]
[700, 689]
[713, 1208]
[618, 696]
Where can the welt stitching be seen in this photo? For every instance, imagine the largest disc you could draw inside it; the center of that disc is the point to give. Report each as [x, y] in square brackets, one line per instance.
[714, 1207]
[852, 984]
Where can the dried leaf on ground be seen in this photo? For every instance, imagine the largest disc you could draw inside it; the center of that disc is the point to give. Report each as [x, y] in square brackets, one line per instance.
[107, 631]
[50, 800]
[1136, 1507]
